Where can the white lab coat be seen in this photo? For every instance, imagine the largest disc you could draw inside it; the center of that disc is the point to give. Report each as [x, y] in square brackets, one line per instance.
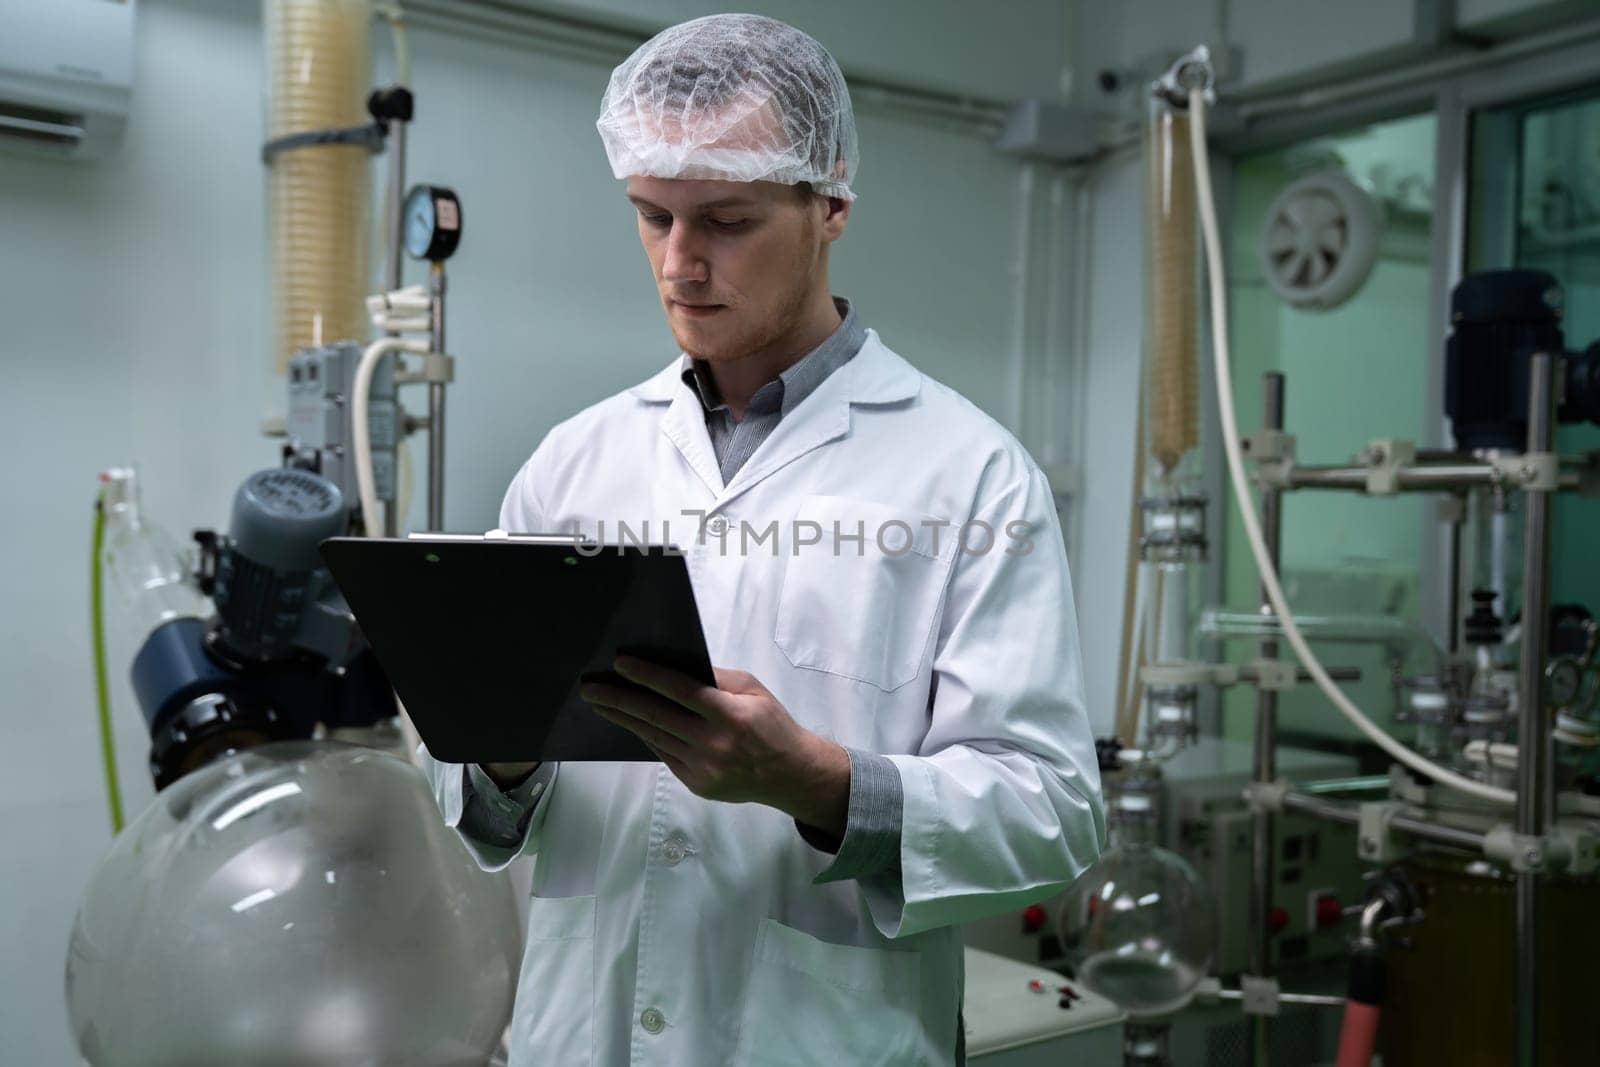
[668, 929]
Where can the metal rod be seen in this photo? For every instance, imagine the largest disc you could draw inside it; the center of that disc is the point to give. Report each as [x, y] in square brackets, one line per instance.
[394, 269]
[1317, 808]
[1534, 792]
[1437, 833]
[1369, 783]
[1265, 762]
[1326, 1000]
[1422, 830]
[1338, 674]
[1426, 478]
[436, 405]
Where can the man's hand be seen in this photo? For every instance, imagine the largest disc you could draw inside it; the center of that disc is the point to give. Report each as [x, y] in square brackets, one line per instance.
[732, 741]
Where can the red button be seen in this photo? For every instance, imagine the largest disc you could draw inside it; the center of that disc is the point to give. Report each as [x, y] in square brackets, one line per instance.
[1277, 919]
[1329, 912]
[1033, 919]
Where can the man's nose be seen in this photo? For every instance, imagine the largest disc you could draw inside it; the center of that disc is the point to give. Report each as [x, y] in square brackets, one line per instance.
[685, 261]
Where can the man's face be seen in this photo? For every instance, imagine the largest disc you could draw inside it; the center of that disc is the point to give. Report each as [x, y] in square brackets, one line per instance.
[736, 263]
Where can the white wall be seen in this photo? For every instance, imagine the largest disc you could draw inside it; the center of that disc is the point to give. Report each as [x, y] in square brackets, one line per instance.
[133, 296]
[1001, 51]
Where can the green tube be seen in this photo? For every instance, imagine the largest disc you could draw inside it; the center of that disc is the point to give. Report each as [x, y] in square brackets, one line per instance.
[102, 692]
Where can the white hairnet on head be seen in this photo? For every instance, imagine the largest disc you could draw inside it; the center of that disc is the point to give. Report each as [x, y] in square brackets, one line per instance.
[734, 98]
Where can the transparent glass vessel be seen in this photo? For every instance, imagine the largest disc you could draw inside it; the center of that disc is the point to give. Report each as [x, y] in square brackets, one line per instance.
[1139, 927]
[296, 903]
[145, 569]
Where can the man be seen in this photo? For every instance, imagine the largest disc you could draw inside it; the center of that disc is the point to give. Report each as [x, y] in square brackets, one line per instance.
[897, 741]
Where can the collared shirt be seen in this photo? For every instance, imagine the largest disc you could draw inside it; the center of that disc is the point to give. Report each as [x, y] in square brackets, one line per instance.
[871, 842]
[735, 440]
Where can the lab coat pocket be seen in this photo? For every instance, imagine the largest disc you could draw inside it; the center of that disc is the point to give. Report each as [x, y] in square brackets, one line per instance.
[862, 599]
[553, 1021]
[810, 1001]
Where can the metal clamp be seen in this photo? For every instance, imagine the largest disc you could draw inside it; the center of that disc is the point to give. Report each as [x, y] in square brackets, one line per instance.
[1374, 841]
[1520, 852]
[1259, 995]
[369, 136]
[1533, 471]
[1385, 456]
[1273, 675]
[1268, 446]
[436, 367]
[1266, 798]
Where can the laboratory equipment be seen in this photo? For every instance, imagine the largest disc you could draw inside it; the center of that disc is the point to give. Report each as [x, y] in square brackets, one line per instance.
[1499, 320]
[319, 143]
[1531, 829]
[1138, 927]
[300, 902]
[148, 574]
[432, 223]
[286, 897]
[282, 654]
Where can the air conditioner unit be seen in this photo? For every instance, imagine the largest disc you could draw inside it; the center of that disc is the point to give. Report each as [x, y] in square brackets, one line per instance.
[66, 76]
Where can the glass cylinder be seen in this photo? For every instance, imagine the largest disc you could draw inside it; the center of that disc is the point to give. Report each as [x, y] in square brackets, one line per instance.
[148, 576]
[318, 77]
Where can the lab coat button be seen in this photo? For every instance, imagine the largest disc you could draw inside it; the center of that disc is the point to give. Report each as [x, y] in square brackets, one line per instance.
[652, 1020]
[675, 848]
[718, 525]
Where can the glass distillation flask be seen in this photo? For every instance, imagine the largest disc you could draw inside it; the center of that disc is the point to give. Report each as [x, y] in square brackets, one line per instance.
[1139, 927]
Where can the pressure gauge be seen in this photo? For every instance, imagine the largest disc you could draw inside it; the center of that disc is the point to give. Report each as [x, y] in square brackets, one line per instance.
[432, 222]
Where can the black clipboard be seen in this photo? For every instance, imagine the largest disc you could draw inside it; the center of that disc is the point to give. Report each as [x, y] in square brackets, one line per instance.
[487, 639]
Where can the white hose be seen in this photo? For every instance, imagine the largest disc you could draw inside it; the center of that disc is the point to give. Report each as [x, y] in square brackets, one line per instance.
[360, 424]
[397, 34]
[1241, 491]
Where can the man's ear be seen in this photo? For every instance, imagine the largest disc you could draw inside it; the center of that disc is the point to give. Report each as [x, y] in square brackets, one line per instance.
[833, 222]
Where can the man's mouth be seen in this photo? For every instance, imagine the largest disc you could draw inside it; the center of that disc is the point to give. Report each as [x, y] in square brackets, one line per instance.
[696, 311]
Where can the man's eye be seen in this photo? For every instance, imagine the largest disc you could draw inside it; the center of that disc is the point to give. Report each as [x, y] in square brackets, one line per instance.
[729, 224]
[657, 220]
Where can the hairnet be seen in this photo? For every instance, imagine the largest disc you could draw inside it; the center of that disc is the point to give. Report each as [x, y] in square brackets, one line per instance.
[732, 97]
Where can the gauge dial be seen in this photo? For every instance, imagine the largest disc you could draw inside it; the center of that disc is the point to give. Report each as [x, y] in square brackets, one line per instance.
[432, 223]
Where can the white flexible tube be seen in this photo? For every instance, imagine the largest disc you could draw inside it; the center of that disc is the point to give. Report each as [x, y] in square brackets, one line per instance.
[1241, 491]
[403, 323]
[360, 424]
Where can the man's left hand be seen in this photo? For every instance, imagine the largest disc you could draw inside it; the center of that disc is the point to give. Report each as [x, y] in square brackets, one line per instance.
[732, 742]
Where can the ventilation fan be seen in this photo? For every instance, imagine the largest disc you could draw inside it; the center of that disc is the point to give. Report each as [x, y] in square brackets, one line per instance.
[1320, 241]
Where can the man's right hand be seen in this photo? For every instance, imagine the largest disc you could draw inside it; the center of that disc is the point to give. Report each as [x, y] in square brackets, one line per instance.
[509, 775]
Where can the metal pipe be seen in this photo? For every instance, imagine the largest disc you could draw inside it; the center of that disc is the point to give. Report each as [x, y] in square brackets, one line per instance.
[1265, 762]
[1370, 783]
[1325, 1000]
[1318, 808]
[1428, 478]
[1534, 782]
[436, 405]
[394, 269]
[1421, 829]
[1437, 833]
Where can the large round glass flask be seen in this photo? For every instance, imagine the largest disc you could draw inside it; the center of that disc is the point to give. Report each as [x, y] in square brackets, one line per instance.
[1139, 927]
[297, 903]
